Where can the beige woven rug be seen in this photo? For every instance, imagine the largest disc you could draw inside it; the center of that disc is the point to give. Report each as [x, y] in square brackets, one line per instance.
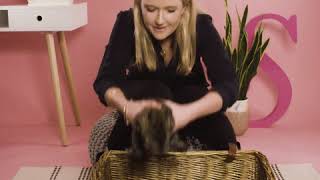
[281, 171]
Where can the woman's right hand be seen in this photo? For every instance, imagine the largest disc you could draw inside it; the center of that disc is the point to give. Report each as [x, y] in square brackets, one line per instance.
[135, 107]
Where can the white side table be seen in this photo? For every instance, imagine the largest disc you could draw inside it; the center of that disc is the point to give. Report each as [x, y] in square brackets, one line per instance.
[50, 19]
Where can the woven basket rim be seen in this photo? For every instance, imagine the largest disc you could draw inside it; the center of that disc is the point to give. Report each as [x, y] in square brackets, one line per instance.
[99, 166]
[190, 153]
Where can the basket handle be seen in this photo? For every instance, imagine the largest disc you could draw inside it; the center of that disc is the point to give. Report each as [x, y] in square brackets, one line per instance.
[231, 153]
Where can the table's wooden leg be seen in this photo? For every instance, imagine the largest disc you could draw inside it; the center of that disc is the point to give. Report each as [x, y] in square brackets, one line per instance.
[67, 67]
[56, 85]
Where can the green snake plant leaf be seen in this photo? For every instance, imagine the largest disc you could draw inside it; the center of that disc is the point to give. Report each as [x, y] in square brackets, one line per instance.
[234, 60]
[242, 49]
[227, 41]
[228, 48]
[229, 29]
[250, 72]
[245, 59]
[252, 68]
[264, 46]
[252, 51]
[248, 61]
[242, 41]
[242, 23]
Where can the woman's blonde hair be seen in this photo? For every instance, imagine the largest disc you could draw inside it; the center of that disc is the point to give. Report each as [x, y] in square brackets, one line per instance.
[185, 36]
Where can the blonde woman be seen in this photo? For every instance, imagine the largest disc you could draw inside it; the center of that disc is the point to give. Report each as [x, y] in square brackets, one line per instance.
[153, 52]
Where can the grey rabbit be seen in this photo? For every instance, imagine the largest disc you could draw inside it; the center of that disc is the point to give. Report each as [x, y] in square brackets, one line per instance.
[152, 134]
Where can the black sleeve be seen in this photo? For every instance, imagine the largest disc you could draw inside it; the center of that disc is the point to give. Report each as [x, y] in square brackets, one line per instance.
[219, 68]
[116, 56]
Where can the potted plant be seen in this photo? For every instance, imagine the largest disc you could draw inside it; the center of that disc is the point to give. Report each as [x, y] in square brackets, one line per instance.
[245, 60]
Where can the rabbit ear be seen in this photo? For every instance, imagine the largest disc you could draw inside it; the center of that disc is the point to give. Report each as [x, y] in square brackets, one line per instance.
[170, 119]
[167, 112]
[171, 122]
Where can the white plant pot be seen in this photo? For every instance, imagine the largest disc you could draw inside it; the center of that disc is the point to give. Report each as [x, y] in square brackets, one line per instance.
[49, 2]
[238, 115]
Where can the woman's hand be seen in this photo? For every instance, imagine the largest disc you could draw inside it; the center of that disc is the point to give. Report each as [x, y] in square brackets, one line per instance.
[135, 107]
[180, 114]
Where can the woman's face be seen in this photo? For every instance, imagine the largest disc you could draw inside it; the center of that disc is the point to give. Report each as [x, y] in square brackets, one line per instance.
[161, 17]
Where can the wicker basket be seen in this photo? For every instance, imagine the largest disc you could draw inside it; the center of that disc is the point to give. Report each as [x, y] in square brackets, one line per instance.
[187, 165]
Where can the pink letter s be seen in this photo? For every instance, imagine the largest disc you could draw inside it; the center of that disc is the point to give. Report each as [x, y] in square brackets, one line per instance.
[273, 71]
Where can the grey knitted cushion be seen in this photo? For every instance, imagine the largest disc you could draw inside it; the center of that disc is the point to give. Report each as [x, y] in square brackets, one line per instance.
[100, 134]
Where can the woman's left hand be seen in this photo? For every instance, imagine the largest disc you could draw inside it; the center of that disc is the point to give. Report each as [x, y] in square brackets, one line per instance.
[180, 114]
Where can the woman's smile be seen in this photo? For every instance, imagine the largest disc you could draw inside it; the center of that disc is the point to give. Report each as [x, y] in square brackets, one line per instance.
[159, 29]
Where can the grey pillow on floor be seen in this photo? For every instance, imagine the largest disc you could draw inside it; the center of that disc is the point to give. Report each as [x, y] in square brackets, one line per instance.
[100, 134]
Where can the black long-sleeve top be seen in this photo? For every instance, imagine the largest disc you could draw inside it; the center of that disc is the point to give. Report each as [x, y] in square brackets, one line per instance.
[119, 57]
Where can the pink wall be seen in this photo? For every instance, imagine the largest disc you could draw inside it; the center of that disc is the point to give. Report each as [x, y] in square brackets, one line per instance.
[26, 88]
